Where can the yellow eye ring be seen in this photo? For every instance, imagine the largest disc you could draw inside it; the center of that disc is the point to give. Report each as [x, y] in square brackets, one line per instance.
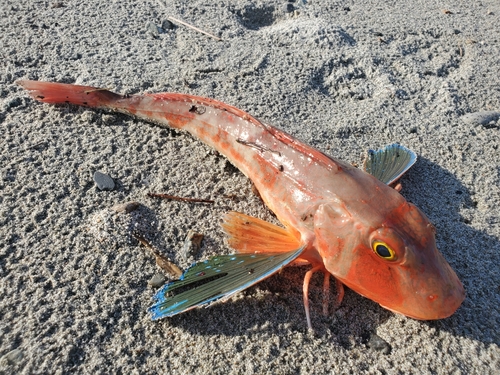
[383, 250]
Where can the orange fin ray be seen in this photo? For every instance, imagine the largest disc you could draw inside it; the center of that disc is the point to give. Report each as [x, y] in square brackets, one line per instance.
[247, 234]
[326, 292]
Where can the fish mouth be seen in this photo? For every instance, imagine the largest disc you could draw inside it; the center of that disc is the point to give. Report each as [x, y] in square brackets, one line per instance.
[423, 317]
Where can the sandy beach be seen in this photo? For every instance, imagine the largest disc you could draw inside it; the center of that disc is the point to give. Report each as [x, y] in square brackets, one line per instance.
[343, 77]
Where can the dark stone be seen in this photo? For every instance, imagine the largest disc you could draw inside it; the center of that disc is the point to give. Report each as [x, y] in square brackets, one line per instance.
[103, 181]
[16, 102]
[167, 25]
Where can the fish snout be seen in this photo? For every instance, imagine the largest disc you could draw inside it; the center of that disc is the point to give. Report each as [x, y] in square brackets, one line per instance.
[436, 293]
[440, 295]
[444, 304]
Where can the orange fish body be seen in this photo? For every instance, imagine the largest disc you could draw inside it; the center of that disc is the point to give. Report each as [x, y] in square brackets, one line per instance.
[346, 221]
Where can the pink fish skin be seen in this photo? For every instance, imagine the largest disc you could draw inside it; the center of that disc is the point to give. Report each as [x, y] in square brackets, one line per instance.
[353, 226]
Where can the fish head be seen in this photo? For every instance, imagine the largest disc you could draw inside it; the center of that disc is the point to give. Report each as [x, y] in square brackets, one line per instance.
[393, 261]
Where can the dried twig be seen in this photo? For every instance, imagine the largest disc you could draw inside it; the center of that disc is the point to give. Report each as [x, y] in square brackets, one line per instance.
[194, 28]
[181, 199]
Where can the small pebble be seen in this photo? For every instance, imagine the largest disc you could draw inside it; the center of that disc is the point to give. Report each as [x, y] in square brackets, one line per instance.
[379, 344]
[192, 244]
[13, 357]
[16, 102]
[152, 29]
[157, 280]
[481, 118]
[167, 25]
[127, 207]
[103, 181]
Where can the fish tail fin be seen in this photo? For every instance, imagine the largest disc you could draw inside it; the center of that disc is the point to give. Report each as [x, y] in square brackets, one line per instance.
[59, 93]
[247, 234]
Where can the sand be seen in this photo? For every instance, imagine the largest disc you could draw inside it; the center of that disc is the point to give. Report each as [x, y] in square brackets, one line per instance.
[341, 76]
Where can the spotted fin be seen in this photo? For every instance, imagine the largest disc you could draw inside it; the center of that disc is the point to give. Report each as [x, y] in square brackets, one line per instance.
[389, 163]
[247, 234]
[217, 278]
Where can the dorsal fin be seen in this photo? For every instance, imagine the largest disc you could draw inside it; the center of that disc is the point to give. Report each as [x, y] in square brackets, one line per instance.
[247, 234]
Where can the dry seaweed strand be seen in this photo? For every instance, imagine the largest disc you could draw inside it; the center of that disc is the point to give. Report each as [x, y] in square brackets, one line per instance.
[181, 199]
[194, 28]
[161, 260]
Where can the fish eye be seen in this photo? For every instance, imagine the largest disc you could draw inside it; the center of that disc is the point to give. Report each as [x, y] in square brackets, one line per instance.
[383, 250]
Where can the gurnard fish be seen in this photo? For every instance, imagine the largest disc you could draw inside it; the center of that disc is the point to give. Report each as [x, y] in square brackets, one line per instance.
[344, 221]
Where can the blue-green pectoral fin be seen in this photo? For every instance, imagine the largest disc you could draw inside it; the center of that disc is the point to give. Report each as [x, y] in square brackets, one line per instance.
[218, 277]
[389, 163]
